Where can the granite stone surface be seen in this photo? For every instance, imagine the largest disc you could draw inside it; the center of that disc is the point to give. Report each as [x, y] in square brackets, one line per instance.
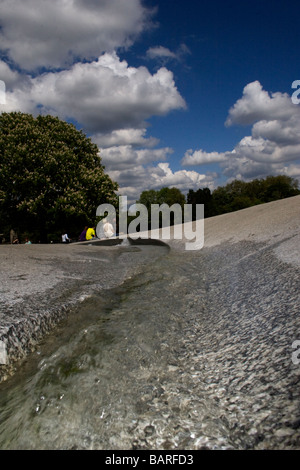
[40, 283]
[200, 349]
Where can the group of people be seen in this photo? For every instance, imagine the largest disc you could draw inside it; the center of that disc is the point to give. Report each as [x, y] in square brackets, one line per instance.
[86, 234]
[14, 239]
[89, 233]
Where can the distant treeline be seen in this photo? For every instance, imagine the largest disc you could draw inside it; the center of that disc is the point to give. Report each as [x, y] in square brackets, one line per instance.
[240, 194]
[232, 197]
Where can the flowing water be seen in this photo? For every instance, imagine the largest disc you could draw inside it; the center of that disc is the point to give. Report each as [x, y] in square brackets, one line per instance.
[174, 358]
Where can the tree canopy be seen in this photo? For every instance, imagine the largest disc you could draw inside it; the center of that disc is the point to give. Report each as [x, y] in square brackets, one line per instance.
[231, 197]
[51, 176]
[240, 194]
[169, 196]
[164, 195]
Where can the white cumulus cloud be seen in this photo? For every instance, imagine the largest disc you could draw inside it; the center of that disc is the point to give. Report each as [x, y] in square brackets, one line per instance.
[133, 137]
[43, 33]
[104, 95]
[274, 144]
[200, 157]
[257, 104]
[125, 156]
[140, 178]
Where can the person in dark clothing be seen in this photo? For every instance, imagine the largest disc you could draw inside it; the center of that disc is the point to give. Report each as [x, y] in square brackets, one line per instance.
[82, 237]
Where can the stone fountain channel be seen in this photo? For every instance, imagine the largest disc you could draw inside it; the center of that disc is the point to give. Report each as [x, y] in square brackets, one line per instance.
[157, 348]
[191, 351]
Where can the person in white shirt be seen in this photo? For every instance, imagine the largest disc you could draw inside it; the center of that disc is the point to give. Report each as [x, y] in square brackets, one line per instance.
[108, 229]
[65, 238]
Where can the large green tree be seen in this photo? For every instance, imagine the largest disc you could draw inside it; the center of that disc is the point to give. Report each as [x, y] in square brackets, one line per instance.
[51, 176]
[168, 196]
[164, 195]
[201, 196]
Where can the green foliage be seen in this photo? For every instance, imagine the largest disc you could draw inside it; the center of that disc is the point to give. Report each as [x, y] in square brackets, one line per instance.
[51, 177]
[234, 196]
[201, 196]
[240, 194]
[165, 195]
[168, 196]
[148, 197]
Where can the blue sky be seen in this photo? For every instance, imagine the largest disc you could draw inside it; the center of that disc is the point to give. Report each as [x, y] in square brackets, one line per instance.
[154, 82]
